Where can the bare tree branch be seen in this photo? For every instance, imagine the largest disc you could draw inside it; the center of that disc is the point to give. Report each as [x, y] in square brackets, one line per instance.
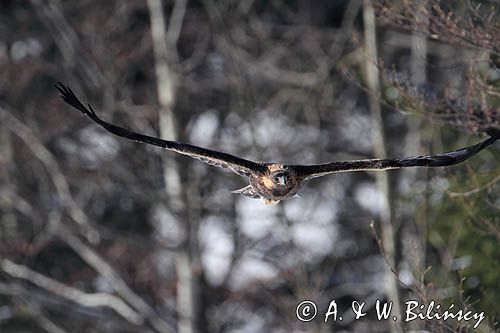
[70, 293]
[22, 295]
[68, 42]
[93, 259]
[50, 162]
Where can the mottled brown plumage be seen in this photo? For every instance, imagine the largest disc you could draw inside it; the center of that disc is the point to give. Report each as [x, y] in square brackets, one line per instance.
[273, 182]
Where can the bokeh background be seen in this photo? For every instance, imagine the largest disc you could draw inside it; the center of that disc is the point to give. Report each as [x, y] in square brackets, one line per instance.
[100, 234]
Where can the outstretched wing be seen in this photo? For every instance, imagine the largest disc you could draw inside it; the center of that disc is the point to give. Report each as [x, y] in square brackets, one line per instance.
[238, 165]
[449, 158]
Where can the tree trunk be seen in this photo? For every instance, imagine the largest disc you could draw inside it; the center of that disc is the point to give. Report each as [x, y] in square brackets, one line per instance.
[378, 130]
[165, 55]
[417, 236]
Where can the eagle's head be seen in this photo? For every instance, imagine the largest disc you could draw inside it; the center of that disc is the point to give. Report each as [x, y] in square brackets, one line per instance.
[282, 183]
[281, 178]
[277, 183]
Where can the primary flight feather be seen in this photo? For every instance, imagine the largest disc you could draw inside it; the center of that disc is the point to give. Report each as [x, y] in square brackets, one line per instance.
[273, 182]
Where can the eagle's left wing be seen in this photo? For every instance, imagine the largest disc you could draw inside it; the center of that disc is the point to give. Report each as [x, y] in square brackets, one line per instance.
[439, 160]
[238, 165]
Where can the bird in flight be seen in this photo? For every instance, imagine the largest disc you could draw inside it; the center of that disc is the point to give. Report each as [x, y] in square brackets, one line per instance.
[273, 182]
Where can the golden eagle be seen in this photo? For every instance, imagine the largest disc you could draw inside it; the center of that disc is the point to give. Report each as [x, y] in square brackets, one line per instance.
[273, 182]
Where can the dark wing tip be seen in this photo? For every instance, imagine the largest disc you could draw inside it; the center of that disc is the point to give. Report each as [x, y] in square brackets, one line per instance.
[67, 94]
[69, 97]
[493, 132]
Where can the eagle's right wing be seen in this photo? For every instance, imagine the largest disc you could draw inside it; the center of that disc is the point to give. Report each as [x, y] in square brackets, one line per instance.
[238, 165]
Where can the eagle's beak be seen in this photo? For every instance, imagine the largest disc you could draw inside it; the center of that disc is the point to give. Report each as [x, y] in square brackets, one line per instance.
[282, 181]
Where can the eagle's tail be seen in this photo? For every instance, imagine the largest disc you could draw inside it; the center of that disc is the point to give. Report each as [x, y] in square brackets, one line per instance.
[247, 191]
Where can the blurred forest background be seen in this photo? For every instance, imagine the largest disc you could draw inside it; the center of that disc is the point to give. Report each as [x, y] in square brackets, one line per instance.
[100, 234]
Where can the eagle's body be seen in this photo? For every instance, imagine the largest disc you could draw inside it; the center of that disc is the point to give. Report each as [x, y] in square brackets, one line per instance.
[273, 182]
[276, 183]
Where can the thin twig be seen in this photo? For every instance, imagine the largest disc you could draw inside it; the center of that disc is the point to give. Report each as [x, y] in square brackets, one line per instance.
[486, 186]
[384, 254]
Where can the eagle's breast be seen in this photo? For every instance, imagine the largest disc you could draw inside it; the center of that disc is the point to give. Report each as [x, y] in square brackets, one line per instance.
[266, 182]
